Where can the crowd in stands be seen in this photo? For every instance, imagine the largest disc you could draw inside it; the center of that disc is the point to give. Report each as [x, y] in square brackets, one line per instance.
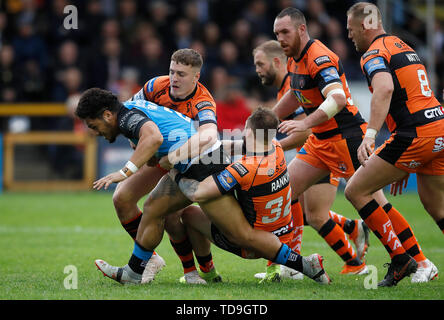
[119, 45]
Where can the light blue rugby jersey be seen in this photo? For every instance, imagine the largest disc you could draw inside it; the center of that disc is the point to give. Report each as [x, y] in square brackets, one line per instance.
[175, 127]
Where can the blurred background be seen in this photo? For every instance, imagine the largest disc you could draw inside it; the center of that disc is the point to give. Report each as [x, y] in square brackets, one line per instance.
[46, 63]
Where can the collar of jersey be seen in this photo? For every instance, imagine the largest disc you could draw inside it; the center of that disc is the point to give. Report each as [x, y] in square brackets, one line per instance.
[380, 36]
[309, 43]
[266, 153]
[283, 81]
[184, 99]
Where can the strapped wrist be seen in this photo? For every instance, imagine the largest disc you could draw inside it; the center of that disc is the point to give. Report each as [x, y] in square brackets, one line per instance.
[371, 133]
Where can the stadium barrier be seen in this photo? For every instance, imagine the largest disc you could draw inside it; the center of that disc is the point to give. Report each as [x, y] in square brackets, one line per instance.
[89, 142]
[10, 140]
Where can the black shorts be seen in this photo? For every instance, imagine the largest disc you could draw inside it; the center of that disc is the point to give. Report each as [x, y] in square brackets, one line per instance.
[208, 164]
[222, 242]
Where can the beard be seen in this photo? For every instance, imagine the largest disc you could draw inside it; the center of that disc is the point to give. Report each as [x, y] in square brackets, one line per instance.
[269, 78]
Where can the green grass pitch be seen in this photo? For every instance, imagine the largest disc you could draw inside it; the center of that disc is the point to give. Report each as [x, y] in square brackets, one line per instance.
[43, 233]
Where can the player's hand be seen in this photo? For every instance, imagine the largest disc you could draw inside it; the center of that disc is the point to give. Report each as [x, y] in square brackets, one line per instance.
[397, 186]
[105, 182]
[365, 149]
[165, 163]
[292, 126]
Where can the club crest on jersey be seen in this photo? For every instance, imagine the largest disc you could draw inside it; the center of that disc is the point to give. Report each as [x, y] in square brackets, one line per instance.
[342, 166]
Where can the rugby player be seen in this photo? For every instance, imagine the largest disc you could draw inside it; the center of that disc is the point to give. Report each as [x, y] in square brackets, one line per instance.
[401, 95]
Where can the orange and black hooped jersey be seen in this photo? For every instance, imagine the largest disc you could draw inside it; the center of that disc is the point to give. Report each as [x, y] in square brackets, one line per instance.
[199, 105]
[414, 110]
[285, 86]
[262, 187]
[316, 69]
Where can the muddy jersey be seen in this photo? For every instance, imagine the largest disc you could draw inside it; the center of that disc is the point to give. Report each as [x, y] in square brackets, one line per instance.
[199, 105]
[414, 111]
[262, 187]
[316, 69]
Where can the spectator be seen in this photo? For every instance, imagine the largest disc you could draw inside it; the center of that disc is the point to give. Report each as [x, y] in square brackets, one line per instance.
[154, 61]
[108, 65]
[9, 81]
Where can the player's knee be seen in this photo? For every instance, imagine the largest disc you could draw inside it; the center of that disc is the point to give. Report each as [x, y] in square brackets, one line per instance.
[315, 219]
[174, 226]
[121, 199]
[348, 193]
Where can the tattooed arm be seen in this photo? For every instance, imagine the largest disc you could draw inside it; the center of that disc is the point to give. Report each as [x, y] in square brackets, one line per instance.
[197, 191]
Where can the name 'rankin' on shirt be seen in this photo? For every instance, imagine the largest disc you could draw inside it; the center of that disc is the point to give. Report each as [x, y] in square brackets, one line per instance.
[280, 183]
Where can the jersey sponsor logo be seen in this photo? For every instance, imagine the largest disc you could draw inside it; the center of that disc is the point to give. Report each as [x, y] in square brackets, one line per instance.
[322, 59]
[226, 180]
[374, 64]
[239, 167]
[207, 115]
[369, 53]
[203, 104]
[439, 144]
[282, 231]
[412, 57]
[302, 151]
[434, 112]
[412, 164]
[301, 98]
[150, 85]
[329, 74]
[280, 183]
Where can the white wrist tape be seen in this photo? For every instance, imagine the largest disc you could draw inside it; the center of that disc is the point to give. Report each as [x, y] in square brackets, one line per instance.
[371, 133]
[131, 166]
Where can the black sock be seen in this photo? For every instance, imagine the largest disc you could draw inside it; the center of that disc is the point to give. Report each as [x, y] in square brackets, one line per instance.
[205, 262]
[440, 224]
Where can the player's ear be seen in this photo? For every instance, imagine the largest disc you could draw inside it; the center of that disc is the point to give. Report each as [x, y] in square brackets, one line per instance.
[107, 115]
[276, 62]
[197, 76]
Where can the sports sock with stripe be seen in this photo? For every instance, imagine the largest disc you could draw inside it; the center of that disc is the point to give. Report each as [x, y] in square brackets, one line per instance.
[337, 240]
[205, 262]
[139, 258]
[378, 221]
[184, 251]
[288, 258]
[298, 225]
[404, 233]
[132, 225]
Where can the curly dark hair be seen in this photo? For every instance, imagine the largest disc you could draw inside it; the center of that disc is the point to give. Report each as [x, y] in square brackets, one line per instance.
[94, 102]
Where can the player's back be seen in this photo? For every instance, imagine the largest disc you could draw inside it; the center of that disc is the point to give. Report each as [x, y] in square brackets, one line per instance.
[175, 127]
[414, 110]
[264, 191]
[316, 69]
